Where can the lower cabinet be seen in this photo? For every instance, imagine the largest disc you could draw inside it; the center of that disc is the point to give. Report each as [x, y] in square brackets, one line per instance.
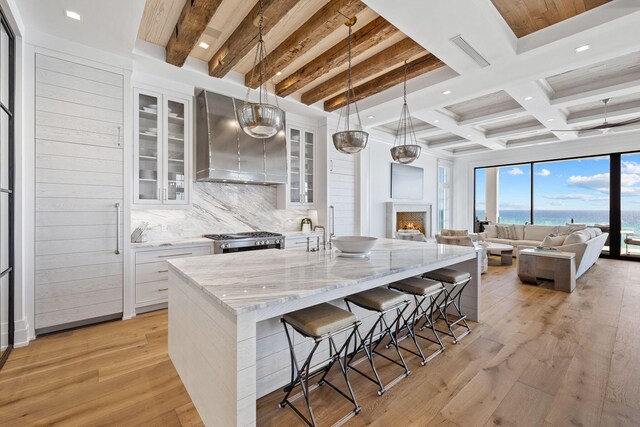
[152, 273]
[299, 241]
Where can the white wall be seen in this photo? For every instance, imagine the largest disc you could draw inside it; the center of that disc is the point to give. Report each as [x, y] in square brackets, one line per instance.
[377, 183]
[464, 165]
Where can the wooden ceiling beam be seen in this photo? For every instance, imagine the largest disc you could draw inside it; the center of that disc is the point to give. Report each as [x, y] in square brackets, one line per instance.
[324, 22]
[415, 68]
[399, 52]
[191, 24]
[245, 36]
[363, 39]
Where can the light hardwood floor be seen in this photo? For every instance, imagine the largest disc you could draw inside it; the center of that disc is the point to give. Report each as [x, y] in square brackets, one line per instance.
[539, 358]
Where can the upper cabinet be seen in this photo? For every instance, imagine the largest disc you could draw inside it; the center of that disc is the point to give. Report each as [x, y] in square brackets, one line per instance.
[162, 135]
[299, 192]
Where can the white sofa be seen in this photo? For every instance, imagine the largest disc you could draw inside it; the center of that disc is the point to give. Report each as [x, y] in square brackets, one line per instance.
[587, 247]
[527, 236]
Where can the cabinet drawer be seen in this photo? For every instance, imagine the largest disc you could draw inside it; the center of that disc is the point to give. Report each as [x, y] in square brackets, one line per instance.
[301, 242]
[152, 272]
[152, 291]
[165, 254]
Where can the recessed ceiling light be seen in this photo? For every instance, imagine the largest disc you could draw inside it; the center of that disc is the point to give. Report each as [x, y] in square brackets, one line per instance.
[73, 15]
[528, 98]
[469, 136]
[549, 120]
[204, 45]
[371, 117]
[582, 48]
[446, 92]
[436, 121]
[279, 73]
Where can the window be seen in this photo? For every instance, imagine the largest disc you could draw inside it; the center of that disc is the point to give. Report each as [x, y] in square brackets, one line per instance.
[503, 194]
[444, 195]
[630, 204]
[7, 82]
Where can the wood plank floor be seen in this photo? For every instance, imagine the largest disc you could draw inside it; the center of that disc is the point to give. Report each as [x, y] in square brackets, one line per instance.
[539, 358]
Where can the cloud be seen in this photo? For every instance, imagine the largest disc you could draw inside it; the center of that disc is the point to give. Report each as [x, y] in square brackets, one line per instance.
[630, 167]
[544, 172]
[556, 203]
[629, 179]
[598, 182]
[515, 171]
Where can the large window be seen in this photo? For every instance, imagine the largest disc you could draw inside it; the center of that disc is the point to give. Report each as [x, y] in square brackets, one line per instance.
[444, 195]
[600, 191]
[7, 79]
[572, 191]
[503, 194]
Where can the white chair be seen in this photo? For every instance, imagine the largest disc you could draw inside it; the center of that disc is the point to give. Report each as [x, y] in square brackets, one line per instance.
[464, 240]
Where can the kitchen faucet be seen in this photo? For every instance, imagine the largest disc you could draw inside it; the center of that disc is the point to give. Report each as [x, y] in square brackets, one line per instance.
[332, 210]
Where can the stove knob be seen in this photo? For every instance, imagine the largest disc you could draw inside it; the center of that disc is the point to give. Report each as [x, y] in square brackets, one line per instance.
[258, 243]
[223, 246]
[277, 241]
[266, 242]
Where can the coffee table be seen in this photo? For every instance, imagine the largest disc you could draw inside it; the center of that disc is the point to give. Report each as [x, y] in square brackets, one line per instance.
[564, 267]
[505, 252]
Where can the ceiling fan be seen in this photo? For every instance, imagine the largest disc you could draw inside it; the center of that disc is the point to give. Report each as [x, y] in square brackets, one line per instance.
[605, 126]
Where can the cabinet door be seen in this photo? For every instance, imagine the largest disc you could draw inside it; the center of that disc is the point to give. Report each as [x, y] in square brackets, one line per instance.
[148, 147]
[309, 167]
[295, 170]
[176, 153]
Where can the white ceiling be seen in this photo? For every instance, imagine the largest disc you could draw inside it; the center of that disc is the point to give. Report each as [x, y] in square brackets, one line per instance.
[110, 25]
[487, 106]
[486, 109]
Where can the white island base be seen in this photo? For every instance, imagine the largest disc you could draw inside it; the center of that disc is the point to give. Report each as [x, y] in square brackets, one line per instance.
[225, 338]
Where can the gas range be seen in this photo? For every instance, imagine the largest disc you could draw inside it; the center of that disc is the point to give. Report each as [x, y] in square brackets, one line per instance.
[246, 241]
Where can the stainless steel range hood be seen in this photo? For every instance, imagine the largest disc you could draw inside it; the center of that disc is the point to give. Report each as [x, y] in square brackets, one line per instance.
[224, 153]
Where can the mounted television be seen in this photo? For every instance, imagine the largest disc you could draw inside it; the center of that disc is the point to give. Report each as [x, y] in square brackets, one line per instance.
[407, 182]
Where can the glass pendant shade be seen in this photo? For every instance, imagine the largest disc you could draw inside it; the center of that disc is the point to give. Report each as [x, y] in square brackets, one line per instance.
[350, 141]
[260, 119]
[405, 153]
[405, 147]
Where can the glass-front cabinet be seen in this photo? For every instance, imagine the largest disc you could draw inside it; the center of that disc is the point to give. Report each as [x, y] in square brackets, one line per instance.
[300, 189]
[162, 132]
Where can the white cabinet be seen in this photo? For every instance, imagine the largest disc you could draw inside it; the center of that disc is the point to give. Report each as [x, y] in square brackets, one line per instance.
[162, 135]
[152, 273]
[299, 192]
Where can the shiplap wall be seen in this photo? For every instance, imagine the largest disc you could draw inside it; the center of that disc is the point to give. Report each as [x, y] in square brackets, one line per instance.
[79, 180]
[342, 191]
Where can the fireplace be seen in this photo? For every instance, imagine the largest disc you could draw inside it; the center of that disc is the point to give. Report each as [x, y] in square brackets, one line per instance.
[408, 216]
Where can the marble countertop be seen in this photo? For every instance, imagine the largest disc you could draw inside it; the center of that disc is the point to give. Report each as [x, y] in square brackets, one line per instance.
[248, 281]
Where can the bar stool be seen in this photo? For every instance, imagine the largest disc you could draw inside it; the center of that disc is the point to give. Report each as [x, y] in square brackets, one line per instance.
[455, 281]
[320, 322]
[424, 291]
[382, 301]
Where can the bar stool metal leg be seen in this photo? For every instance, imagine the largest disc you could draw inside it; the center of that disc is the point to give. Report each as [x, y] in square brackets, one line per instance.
[301, 374]
[456, 281]
[382, 301]
[425, 293]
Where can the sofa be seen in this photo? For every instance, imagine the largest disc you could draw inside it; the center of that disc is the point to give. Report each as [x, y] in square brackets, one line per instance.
[587, 244]
[525, 236]
[462, 238]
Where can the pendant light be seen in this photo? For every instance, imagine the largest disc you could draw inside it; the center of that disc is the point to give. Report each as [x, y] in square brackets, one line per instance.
[401, 151]
[260, 120]
[350, 141]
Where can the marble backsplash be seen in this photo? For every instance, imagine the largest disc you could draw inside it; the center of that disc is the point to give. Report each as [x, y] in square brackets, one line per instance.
[220, 208]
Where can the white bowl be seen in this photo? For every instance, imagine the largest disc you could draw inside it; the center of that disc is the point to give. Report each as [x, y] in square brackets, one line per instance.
[354, 244]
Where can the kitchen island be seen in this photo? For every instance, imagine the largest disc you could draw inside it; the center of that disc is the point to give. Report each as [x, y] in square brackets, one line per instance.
[225, 339]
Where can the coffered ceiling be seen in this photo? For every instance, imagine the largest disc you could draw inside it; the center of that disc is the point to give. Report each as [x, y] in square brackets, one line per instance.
[517, 79]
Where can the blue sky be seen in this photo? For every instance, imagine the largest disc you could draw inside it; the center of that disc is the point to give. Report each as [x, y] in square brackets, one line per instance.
[581, 184]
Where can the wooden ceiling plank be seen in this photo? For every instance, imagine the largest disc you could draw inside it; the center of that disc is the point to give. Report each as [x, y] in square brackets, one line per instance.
[394, 77]
[191, 24]
[324, 22]
[391, 56]
[245, 37]
[363, 39]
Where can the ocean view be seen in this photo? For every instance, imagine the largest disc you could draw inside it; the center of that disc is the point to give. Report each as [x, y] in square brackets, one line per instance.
[630, 219]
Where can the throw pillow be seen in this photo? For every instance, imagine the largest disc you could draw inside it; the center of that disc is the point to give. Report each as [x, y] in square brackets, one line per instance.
[551, 241]
[577, 237]
[506, 231]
